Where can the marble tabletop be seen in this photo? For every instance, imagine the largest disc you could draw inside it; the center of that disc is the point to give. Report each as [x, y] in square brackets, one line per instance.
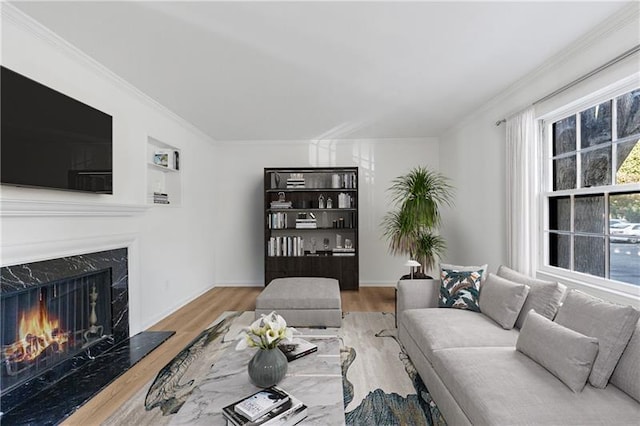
[315, 379]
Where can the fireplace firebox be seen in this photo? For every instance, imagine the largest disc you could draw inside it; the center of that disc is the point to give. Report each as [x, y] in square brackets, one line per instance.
[44, 325]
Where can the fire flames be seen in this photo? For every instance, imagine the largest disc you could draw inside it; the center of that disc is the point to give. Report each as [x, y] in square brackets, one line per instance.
[37, 332]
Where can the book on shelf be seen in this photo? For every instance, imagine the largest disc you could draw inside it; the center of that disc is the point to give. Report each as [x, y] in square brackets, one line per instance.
[254, 410]
[293, 183]
[344, 254]
[277, 220]
[281, 204]
[160, 198]
[285, 246]
[297, 348]
[306, 223]
[343, 250]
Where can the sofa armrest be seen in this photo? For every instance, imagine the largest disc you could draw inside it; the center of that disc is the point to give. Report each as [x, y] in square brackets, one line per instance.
[414, 294]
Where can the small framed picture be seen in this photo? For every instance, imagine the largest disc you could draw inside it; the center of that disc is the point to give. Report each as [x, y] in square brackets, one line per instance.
[161, 158]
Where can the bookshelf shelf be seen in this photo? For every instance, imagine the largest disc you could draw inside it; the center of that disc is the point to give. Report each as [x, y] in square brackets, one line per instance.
[326, 244]
[164, 167]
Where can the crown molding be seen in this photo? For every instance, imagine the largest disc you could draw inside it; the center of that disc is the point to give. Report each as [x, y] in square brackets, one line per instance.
[35, 28]
[628, 15]
[35, 208]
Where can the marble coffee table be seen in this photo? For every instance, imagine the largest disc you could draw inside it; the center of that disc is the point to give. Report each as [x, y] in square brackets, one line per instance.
[315, 379]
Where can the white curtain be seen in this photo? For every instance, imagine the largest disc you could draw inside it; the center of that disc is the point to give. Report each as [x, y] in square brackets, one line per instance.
[522, 190]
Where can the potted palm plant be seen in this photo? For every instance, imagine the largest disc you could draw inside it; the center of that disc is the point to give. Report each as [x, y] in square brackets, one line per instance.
[411, 227]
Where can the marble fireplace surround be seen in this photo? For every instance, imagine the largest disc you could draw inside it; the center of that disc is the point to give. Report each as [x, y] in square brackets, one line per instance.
[54, 395]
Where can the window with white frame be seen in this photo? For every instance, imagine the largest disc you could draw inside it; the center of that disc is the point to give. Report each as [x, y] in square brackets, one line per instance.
[592, 195]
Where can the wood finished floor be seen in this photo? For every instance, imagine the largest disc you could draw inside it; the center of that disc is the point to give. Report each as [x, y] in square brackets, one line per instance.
[188, 322]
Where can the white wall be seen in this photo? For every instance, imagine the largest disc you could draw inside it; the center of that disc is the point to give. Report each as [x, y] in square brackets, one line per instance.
[172, 257]
[240, 193]
[473, 153]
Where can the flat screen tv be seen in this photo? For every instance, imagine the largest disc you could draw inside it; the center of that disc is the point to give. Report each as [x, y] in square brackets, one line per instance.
[50, 140]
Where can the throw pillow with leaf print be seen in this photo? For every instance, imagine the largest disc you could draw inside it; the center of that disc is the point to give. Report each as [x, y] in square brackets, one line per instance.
[460, 289]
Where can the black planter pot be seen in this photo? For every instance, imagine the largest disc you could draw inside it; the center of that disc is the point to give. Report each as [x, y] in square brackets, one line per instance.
[416, 276]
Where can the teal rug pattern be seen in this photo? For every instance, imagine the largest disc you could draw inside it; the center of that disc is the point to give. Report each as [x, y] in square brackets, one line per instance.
[412, 405]
[380, 384]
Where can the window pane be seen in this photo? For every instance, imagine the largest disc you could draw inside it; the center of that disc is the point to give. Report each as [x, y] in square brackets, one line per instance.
[564, 135]
[589, 255]
[595, 125]
[589, 214]
[560, 213]
[624, 262]
[628, 157]
[625, 206]
[559, 250]
[596, 167]
[629, 114]
[624, 251]
[564, 173]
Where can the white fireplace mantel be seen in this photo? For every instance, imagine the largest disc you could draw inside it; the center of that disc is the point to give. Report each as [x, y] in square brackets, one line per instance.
[17, 254]
[37, 208]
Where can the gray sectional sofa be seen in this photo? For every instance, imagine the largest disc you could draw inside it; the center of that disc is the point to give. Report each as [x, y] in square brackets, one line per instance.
[582, 368]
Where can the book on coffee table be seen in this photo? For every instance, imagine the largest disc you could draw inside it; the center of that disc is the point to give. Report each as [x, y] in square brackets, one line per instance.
[297, 348]
[289, 413]
[260, 403]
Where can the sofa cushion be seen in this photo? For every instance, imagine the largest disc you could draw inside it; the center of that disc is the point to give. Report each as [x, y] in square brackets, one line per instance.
[544, 296]
[434, 329]
[501, 386]
[610, 323]
[626, 376]
[565, 353]
[460, 289]
[501, 300]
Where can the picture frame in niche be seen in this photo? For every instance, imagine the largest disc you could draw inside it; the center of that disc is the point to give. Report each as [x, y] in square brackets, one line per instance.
[161, 158]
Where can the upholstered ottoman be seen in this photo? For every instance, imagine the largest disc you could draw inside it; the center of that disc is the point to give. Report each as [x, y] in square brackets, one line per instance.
[303, 301]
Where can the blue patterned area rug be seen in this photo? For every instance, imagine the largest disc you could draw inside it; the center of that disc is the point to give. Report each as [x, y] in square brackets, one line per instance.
[380, 384]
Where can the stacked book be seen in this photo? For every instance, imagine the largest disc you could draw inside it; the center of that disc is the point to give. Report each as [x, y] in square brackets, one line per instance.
[281, 204]
[160, 198]
[310, 223]
[339, 251]
[297, 348]
[268, 407]
[293, 183]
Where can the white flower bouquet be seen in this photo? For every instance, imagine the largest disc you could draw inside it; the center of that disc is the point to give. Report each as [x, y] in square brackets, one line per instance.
[265, 333]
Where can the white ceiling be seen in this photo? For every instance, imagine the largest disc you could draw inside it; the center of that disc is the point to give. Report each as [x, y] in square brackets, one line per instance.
[308, 70]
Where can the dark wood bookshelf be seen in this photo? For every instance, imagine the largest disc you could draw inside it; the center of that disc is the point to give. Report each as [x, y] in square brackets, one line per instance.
[289, 251]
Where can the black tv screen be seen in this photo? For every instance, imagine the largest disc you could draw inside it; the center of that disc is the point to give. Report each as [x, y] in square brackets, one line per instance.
[50, 140]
